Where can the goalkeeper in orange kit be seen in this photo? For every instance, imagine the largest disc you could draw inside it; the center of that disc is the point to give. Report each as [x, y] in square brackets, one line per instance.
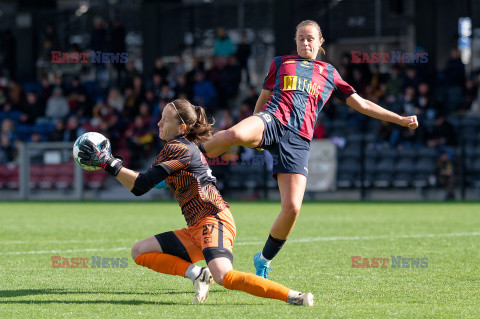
[211, 229]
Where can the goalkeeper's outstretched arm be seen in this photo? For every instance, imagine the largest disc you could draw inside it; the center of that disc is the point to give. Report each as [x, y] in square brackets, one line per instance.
[140, 183]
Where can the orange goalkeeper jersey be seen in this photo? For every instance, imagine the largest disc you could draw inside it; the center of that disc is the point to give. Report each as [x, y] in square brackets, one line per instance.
[190, 180]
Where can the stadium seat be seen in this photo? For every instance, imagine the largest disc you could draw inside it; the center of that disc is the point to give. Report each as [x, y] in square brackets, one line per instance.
[423, 169]
[64, 181]
[407, 153]
[403, 172]
[348, 172]
[4, 173]
[383, 172]
[13, 179]
[427, 153]
[95, 180]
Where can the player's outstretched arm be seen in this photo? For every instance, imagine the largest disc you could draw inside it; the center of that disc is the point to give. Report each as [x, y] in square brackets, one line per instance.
[141, 183]
[373, 110]
[262, 99]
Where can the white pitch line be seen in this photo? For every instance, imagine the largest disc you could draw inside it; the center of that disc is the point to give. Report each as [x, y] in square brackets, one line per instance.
[62, 251]
[69, 241]
[339, 238]
[293, 240]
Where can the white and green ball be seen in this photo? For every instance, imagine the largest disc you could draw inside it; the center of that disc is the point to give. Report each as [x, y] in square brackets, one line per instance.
[97, 139]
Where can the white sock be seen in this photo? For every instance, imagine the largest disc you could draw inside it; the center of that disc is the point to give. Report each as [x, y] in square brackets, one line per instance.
[265, 259]
[193, 271]
[292, 296]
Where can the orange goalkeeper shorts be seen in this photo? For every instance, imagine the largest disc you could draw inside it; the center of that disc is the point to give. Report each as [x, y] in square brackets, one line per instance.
[211, 237]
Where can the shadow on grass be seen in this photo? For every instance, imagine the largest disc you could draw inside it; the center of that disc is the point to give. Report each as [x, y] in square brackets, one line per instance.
[93, 302]
[28, 292]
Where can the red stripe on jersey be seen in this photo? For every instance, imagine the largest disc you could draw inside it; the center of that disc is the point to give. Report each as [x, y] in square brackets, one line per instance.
[314, 103]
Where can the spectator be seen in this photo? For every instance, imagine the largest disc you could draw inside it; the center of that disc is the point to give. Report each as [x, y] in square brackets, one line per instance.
[181, 87]
[57, 105]
[3, 98]
[443, 133]
[243, 53]
[139, 141]
[116, 100]
[223, 45]
[46, 92]
[204, 92]
[410, 78]
[33, 109]
[455, 69]
[16, 95]
[166, 93]
[49, 42]
[232, 77]
[358, 81]
[157, 83]
[226, 121]
[73, 129]
[426, 107]
[59, 82]
[8, 151]
[244, 111]
[408, 101]
[78, 99]
[386, 135]
[161, 69]
[251, 98]
[8, 129]
[117, 45]
[394, 83]
[470, 92]
[98, 37]
[444, 174]
[58, 133]
[131, 72]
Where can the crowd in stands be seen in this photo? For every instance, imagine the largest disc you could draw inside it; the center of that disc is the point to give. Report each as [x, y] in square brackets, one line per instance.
[61, 108]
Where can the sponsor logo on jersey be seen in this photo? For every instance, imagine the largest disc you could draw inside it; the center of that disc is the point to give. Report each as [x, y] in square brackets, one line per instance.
[297, 83]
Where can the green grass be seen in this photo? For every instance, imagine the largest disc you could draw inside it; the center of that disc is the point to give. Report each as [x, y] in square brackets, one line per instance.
[317, 258]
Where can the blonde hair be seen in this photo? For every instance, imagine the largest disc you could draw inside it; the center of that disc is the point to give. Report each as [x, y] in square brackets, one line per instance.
[312, 23]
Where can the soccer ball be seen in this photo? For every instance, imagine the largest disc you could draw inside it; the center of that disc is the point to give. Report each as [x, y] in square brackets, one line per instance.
[98, 139]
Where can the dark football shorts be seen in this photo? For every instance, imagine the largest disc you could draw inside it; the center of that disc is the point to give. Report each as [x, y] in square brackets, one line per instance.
[289, 150]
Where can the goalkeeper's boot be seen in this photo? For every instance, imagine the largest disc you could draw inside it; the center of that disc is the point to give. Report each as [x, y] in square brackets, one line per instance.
[301, 299]
[201, 285]
[261, 266]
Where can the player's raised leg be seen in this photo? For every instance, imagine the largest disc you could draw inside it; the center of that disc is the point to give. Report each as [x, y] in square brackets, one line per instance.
[248, 133]
[292, 189]
[225, 275]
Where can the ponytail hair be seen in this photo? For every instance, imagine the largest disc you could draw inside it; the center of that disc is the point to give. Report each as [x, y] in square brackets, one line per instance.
[198, 130]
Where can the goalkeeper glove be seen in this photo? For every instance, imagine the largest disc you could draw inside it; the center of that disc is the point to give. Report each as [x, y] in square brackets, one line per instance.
[92, 156]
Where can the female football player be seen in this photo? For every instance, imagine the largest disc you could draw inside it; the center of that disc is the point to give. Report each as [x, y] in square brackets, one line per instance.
[294, 92]
[210, 231]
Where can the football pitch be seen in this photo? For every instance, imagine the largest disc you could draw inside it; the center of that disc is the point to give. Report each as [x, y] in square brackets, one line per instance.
[433, 266]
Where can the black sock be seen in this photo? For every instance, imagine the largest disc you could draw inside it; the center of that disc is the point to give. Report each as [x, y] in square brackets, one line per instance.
[272, 247]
